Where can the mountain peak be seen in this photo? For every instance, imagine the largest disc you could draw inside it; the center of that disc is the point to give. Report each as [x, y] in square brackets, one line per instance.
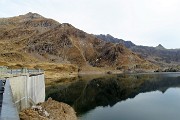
[32, 15]
[160, 47]
[108, 35]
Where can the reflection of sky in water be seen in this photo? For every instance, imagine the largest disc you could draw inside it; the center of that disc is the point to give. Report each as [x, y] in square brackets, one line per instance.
[145, 106]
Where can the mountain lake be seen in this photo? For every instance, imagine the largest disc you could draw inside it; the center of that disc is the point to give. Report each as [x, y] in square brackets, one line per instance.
[148, 96]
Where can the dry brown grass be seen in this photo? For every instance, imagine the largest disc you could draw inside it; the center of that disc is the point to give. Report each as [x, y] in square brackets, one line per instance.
[28, 42]
[53, 71]
[49, 110]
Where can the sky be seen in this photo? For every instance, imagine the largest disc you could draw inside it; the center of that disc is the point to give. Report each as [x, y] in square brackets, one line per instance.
[144, 22]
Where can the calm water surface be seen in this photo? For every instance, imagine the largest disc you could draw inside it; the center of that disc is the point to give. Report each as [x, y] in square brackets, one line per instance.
[122, 97]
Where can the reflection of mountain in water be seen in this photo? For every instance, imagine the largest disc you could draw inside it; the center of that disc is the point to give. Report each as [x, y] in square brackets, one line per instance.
[86, 95]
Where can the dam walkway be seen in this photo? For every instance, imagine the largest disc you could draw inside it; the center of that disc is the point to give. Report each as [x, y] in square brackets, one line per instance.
[19, 89]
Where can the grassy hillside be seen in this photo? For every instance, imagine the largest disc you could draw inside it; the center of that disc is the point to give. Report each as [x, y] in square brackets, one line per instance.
[33, 41]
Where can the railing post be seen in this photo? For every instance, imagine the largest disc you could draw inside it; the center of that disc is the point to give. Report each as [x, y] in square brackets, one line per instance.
[24, 70]
[1, 70]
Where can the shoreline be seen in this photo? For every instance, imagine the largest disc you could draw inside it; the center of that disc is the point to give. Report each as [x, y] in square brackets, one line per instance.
[66, 77]
[100, 72]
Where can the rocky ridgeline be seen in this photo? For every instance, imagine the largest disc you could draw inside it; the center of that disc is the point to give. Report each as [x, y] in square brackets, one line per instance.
[46, 40]
[158, 55]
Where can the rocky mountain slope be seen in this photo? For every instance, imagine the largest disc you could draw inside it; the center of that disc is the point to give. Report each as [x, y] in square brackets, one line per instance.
[31, 38]
[158, 55]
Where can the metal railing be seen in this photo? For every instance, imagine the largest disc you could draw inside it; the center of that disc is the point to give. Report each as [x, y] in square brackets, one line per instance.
[5, 72]
[24, 70]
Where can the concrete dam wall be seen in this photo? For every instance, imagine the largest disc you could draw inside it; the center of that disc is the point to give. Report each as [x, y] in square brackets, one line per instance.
[20, 92]
[27, 90]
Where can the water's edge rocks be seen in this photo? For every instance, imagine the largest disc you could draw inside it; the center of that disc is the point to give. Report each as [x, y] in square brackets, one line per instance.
[49, 110]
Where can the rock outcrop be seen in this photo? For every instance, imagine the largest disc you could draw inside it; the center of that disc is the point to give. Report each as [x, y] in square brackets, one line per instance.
[49, 110]
[46, 40]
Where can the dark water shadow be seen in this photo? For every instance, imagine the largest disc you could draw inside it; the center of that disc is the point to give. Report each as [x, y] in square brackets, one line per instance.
[86, 94]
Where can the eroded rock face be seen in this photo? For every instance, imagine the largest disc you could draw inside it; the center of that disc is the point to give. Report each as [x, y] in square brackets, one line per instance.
[49, 110]
[158, 55]
[33, 35]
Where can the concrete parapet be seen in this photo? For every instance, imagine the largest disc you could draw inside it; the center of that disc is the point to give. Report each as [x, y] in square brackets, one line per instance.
[22, 92]
[27, 90]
